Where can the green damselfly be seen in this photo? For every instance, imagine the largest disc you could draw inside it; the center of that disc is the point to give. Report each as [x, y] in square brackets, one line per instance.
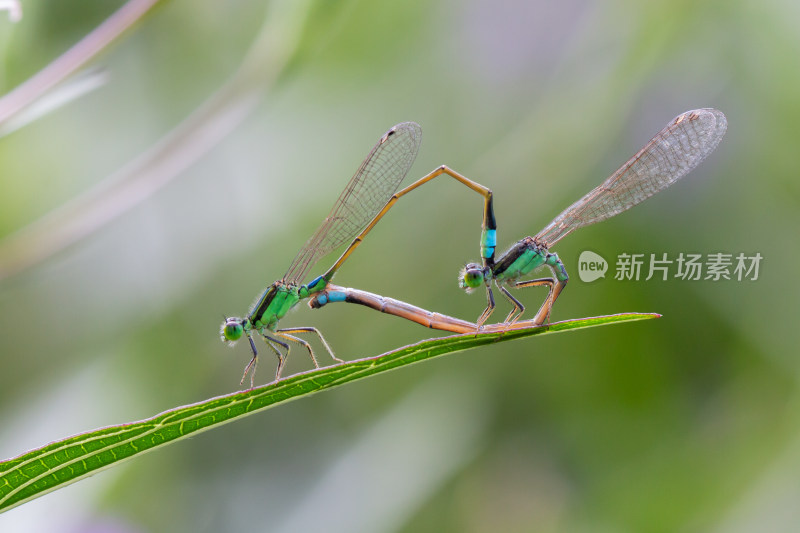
[368, 196]
[668, 156]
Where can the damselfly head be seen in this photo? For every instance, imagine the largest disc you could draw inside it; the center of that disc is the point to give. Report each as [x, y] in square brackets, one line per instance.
[471, 277]
[232, 330]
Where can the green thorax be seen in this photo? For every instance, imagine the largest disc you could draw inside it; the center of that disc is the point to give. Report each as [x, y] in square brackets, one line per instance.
[277, 300]
[522, 258]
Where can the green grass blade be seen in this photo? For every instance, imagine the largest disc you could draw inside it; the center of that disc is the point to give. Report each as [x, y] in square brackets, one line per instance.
[58, 464]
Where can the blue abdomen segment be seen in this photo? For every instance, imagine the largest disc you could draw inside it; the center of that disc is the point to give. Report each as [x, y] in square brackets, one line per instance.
[336, 296]
[328, 297]
[316, 284]
[488, 243]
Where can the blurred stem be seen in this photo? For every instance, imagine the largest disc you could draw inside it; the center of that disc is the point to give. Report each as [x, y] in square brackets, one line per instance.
[74, 58]
[175, 152]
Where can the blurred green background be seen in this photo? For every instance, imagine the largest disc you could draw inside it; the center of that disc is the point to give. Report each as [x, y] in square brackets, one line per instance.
[686, 423]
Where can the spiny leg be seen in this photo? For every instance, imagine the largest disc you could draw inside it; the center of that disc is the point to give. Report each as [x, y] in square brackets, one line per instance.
[318, 333]
[300, 341]
[489, 224]
[517, 306]
[544, 310]
[281, 358]
[254, 361]
[489, 307]
[556, 286]
[561, 278]
[252, 364]
[543, 315]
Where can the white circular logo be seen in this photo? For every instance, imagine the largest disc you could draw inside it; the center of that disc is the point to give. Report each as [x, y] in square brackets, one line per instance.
[591, 266]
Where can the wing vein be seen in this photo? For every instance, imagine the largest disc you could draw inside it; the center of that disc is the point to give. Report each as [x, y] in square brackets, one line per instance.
[370, 188]
[667, 157]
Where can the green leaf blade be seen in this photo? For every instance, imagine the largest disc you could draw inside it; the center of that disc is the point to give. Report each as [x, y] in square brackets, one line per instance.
[60, 463]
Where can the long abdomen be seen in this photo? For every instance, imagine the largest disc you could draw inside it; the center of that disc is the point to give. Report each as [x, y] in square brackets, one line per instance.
[392, 307]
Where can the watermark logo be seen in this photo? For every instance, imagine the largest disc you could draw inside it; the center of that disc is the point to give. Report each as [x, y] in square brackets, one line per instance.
[685, 266]
[591, 266]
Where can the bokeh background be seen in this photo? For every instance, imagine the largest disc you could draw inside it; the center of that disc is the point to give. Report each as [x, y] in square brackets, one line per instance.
[686, 423]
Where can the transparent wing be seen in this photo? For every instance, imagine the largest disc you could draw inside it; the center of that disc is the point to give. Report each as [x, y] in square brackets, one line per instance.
[669, 156]
[373, 184]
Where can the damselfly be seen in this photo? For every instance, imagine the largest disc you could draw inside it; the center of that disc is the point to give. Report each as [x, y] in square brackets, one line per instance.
[667, 157]
[365, 200]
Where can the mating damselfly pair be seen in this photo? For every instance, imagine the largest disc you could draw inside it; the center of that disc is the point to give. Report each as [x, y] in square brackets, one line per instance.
[373, 190]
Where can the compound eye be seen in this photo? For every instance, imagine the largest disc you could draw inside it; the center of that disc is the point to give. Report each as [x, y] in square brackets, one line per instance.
[232, 330]
[471, 277]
